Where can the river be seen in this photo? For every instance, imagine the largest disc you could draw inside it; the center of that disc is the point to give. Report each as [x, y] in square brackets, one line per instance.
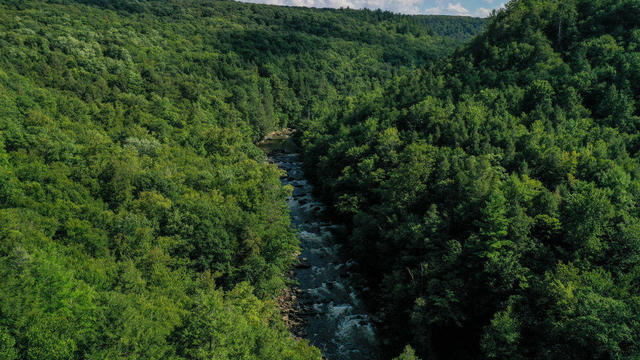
[335, 320]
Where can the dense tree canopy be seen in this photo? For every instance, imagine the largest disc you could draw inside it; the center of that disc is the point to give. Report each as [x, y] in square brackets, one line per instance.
[490, 194]
[492, 199]
[138, 220]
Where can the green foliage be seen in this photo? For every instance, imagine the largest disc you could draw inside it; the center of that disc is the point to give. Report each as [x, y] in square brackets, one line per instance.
[7, 345]
[408, 354]
[138, 220]
[237, 325]
[129, 181]
[492, 199]
[501, 337]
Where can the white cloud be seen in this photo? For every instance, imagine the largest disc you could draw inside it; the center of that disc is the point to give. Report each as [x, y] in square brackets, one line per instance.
[482, 12]
[433, 11]
[457, 9]
[451, 9]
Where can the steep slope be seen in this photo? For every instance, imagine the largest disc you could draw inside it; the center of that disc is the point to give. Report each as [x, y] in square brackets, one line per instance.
[137, 218]
[493, 199]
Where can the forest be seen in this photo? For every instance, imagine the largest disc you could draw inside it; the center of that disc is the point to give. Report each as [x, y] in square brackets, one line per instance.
[138, 220]
[492, 197]
[487, 174]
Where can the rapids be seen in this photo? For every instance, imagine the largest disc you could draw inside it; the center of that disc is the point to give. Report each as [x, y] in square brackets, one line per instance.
[335, 319]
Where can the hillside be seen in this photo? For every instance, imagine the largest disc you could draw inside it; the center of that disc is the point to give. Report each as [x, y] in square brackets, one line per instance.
[138, 220]
[488, 184]
[492, 200]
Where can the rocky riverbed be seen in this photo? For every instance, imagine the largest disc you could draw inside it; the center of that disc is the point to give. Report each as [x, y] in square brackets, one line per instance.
[324, 306]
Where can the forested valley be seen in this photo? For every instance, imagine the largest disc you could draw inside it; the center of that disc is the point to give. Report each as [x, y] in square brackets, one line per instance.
[138, 220]
[486, 173]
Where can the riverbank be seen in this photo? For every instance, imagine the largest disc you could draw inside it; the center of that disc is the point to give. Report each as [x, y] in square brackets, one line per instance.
[293, 315]
[324, 306]
[278, 141]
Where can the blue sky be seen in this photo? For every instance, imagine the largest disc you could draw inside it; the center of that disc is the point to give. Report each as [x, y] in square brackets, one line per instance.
[479, 8]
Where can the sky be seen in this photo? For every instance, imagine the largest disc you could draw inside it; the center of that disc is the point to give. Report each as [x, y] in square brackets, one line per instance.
[478, 8]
